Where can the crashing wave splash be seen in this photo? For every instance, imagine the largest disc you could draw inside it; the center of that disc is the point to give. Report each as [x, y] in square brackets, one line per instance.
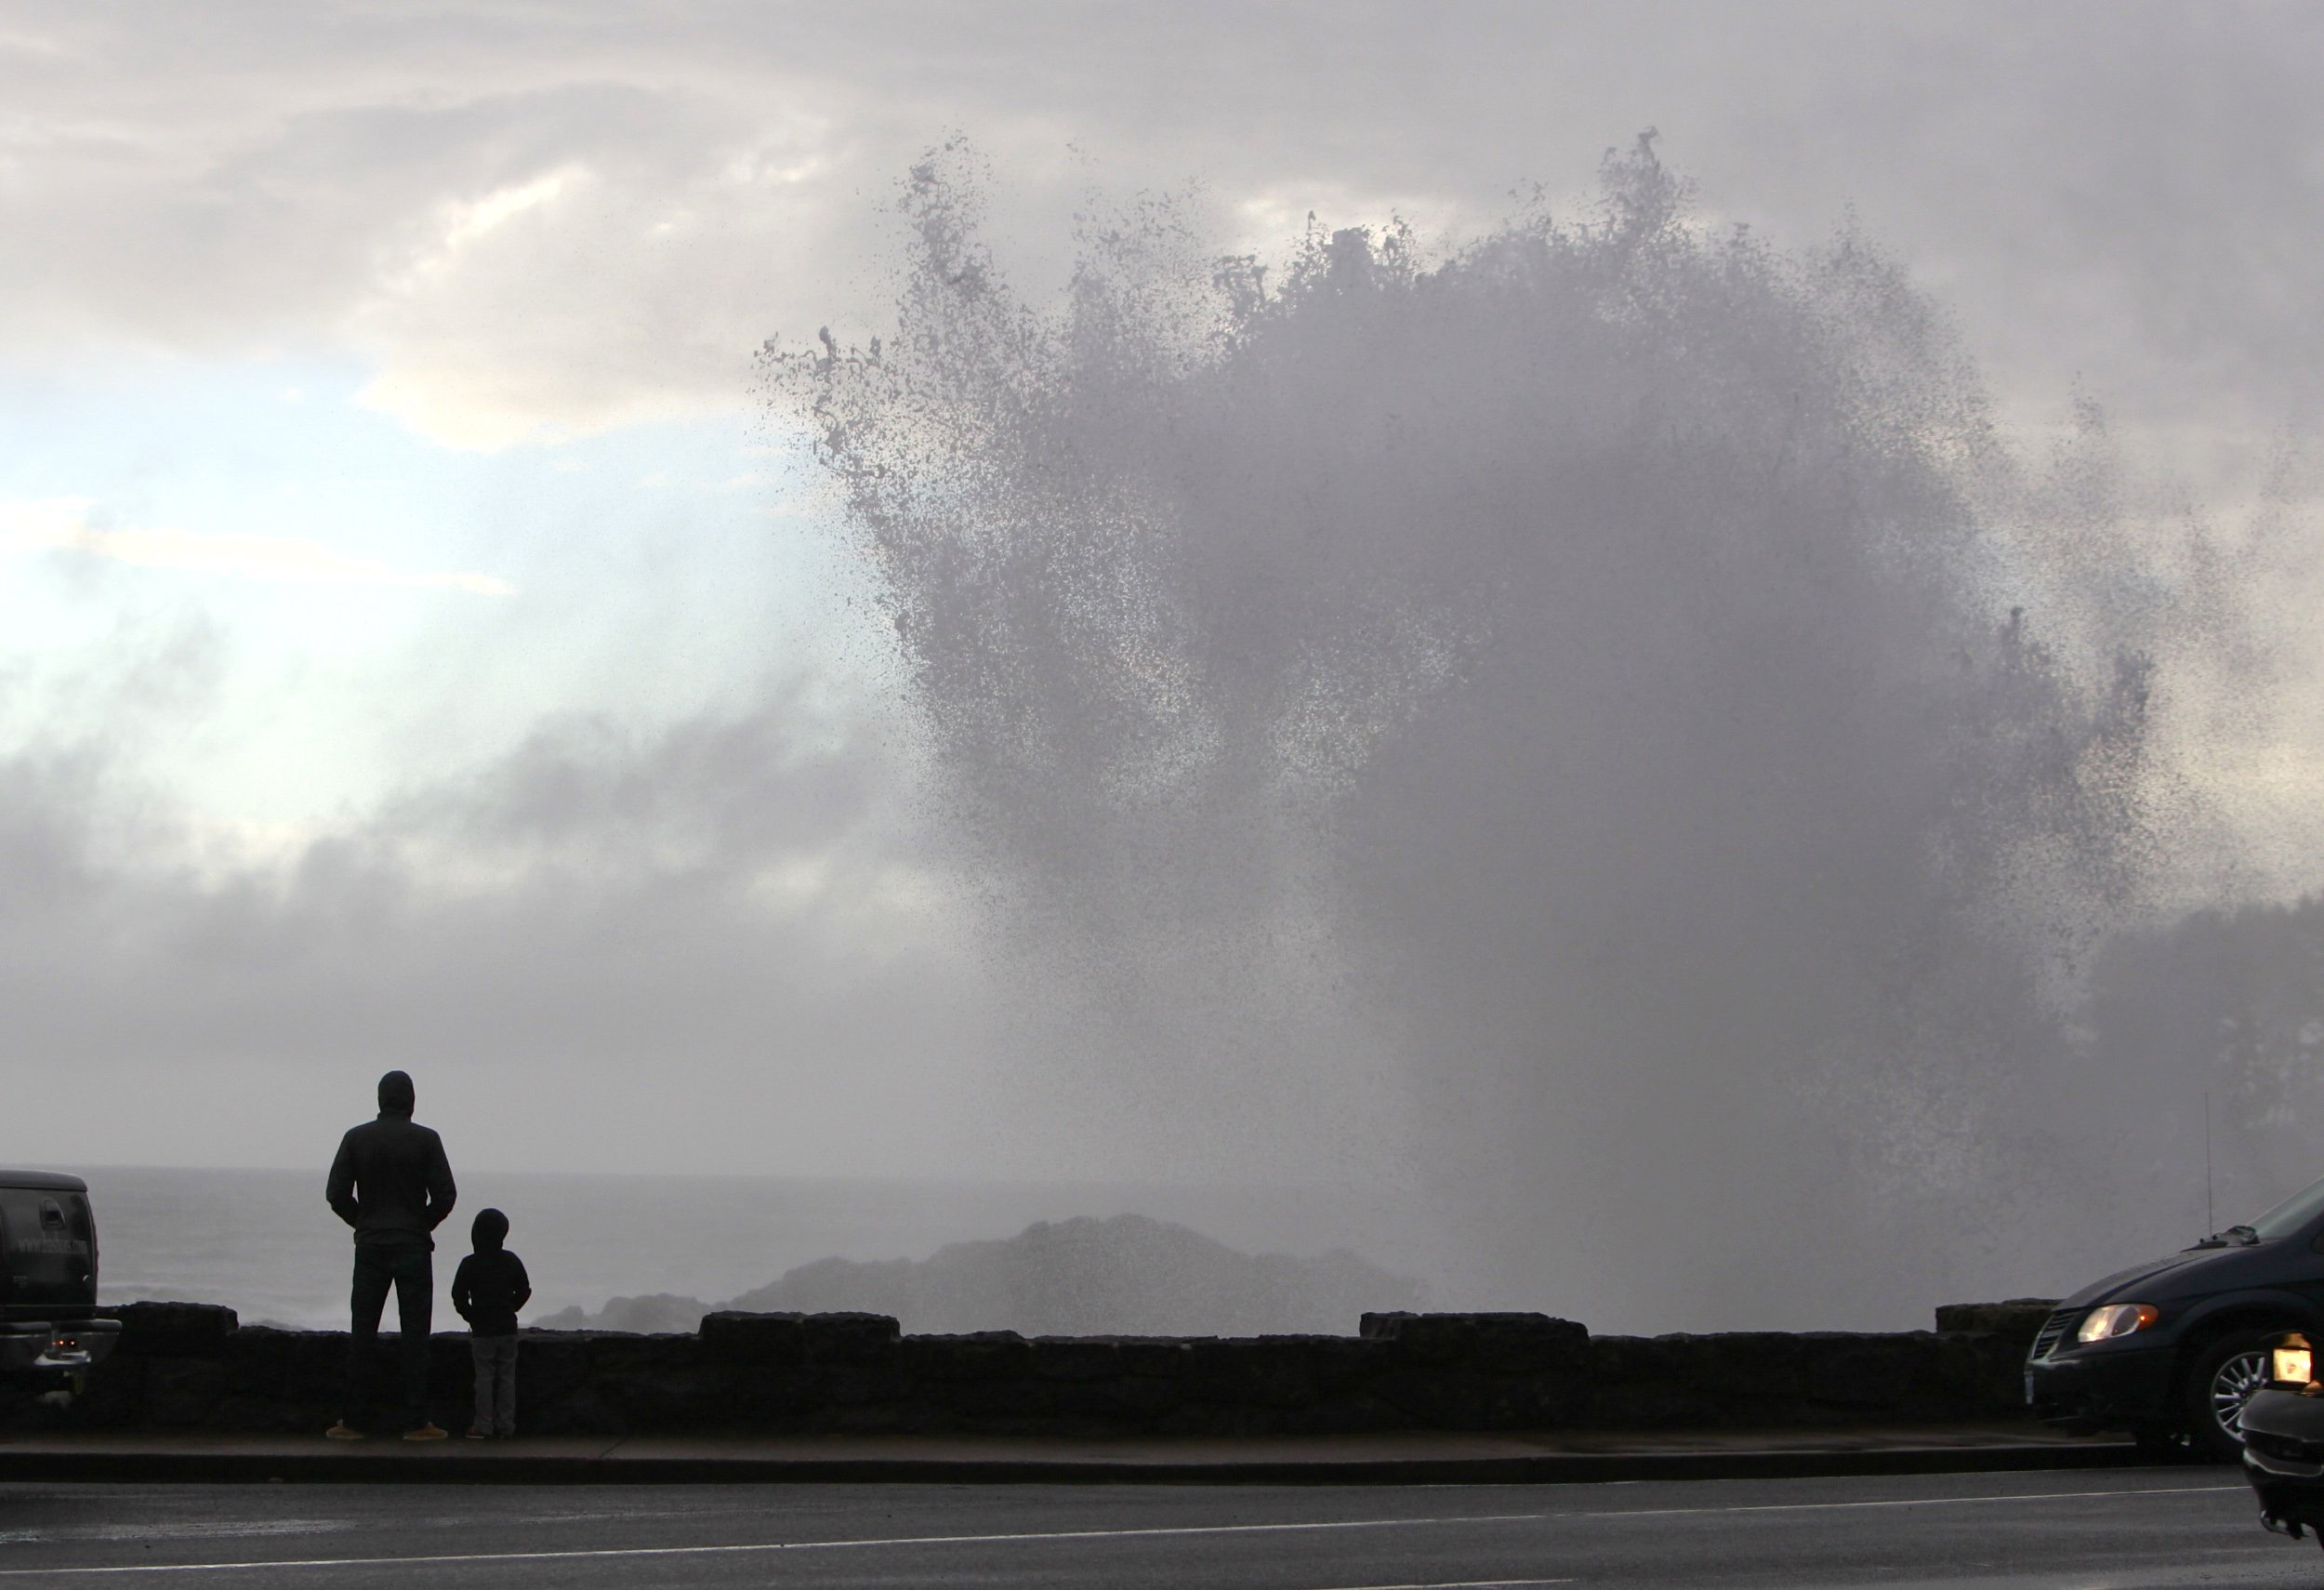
[1594, 720]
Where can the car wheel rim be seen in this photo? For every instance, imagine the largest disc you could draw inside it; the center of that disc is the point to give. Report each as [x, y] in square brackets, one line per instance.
[2236, 1379]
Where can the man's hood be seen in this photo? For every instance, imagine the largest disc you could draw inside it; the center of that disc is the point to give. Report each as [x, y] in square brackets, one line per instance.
[396, 1094]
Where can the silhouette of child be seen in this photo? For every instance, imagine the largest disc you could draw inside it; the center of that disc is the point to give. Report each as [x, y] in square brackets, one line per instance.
[488, 1289]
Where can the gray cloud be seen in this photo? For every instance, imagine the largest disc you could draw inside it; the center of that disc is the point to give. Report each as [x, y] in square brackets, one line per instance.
[613, 926]
[2119, 190]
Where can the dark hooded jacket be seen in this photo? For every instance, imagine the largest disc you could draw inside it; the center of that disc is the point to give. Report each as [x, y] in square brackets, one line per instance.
[390, 1181]
[491, 1285]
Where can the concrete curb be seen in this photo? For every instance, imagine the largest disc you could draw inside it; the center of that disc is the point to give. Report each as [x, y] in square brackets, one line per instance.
[454, 1467]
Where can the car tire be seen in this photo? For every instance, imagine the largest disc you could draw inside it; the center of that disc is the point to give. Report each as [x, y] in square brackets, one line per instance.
[2224, 1374]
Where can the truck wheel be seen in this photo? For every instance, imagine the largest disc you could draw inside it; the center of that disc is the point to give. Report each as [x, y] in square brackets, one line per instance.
[2224, 1374]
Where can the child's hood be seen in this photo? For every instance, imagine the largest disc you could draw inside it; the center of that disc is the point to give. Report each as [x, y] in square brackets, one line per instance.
[490, 1231]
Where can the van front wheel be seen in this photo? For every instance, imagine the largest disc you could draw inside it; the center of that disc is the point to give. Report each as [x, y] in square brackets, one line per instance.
[2225, 1373]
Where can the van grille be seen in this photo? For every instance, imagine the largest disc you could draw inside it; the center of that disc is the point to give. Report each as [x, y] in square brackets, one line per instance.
[2053, 1330]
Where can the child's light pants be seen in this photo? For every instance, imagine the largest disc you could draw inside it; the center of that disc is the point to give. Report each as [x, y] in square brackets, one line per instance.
[496, 1383]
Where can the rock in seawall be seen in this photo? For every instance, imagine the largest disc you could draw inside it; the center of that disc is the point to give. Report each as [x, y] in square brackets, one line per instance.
[174, 1329]
[799, 1338]
[2017, 1317]
[1127, 1276]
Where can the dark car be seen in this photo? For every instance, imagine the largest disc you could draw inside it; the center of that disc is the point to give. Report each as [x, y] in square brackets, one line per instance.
[2176, 1346]
[50, 1334]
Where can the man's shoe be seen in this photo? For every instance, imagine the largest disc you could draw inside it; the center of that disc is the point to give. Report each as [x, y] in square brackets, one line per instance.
[424, 1433]
[343, 1431]
[476, 1434]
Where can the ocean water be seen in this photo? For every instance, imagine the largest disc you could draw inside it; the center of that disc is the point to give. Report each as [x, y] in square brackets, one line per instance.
[263, 1242]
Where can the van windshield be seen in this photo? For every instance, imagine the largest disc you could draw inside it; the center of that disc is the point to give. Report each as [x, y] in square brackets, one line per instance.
[2292, 1214]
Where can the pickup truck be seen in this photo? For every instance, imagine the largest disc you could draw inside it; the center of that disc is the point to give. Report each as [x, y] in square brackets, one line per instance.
[51, 1335]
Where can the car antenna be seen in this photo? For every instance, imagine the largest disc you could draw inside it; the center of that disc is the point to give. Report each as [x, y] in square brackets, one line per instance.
[2210, 1221]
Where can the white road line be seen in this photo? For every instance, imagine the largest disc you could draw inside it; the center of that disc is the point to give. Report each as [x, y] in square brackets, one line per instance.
[616, 1552]
[1459, 1584]
[1904, 1502]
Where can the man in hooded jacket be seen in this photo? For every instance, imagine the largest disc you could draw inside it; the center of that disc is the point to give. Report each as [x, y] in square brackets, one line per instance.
[393, 1185]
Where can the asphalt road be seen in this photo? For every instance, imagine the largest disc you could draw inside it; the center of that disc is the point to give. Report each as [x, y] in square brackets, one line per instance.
[2086, 1531]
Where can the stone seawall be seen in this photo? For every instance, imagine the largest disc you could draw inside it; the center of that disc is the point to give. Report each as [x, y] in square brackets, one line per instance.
[191, 1366]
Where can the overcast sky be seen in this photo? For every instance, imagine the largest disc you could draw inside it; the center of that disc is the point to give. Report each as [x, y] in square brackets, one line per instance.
[416, 648]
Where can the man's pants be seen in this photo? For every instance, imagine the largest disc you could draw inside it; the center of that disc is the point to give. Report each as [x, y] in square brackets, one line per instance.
[411, 1271]
[496, 1383]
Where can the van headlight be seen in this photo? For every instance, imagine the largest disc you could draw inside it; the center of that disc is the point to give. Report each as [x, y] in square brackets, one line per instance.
[2117, 1319]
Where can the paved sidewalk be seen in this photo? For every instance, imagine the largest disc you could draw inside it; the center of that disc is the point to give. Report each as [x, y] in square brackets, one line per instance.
[1399, 1458]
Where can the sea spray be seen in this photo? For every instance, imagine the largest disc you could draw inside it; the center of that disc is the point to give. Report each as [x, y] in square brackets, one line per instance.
[1574, 726]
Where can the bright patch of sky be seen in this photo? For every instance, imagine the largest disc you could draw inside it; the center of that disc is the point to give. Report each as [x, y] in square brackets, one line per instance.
[350, 608]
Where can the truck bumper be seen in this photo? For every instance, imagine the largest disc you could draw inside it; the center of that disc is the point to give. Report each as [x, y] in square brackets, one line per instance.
[67, 1346]
[2109, 1389]
[2283, 1458]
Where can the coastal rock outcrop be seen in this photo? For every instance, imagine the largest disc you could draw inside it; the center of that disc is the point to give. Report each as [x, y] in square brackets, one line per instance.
[1127, 1275]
